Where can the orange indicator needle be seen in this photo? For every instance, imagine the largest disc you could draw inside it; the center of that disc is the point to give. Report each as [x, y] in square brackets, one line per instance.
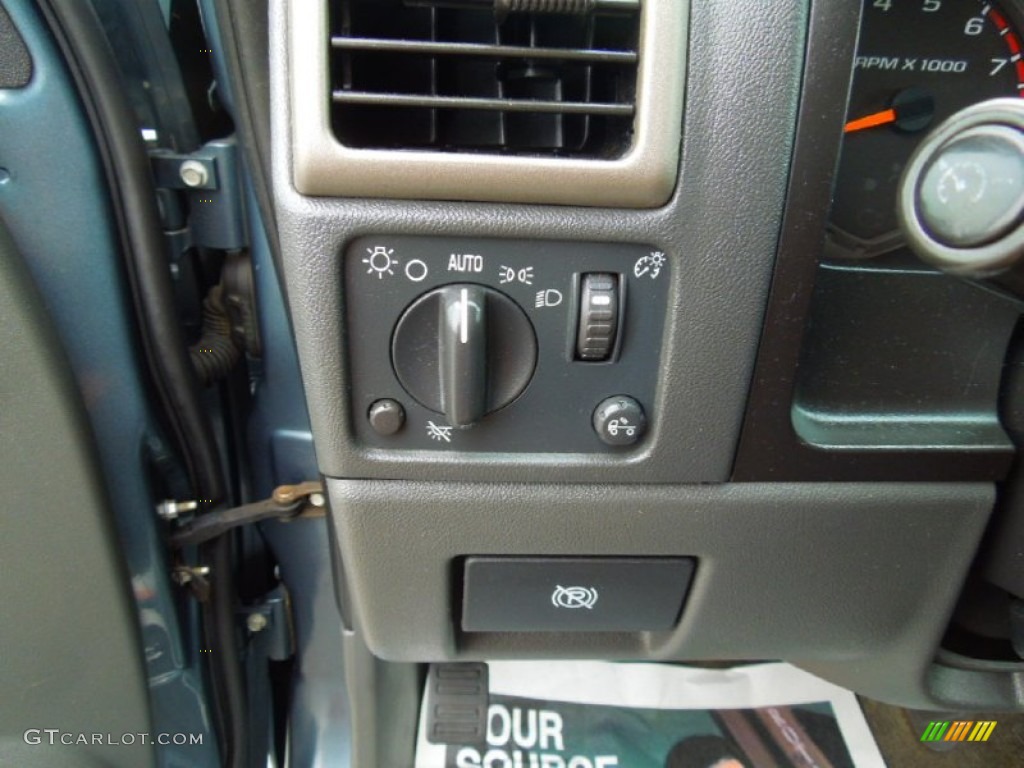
[884, 117]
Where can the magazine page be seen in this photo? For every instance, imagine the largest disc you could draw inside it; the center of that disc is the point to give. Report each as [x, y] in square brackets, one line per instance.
[598, 715]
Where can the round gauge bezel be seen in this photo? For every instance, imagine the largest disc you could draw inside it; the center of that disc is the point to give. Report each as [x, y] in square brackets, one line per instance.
[979, 261]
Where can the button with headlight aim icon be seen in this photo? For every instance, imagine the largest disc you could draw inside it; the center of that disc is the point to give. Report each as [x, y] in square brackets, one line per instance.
[620, 420]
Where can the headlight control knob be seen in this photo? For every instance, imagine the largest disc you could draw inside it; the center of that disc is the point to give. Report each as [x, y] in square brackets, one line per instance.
[465, 351]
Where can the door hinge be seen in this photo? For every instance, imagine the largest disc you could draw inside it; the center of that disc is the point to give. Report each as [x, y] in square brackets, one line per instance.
[211, 178]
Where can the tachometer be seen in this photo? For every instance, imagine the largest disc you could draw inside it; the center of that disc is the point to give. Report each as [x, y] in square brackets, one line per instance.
[918, 62]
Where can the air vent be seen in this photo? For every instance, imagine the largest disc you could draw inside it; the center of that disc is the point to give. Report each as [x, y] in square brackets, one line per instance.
[575, 102]
[454, 76]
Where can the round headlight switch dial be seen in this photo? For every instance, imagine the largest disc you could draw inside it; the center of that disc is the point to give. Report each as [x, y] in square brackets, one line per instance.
[464, 350]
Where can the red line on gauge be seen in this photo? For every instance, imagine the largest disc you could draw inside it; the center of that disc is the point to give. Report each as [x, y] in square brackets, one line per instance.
[1012, 42]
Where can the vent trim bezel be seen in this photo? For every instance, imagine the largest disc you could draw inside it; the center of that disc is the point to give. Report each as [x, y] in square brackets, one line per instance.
[643, 177]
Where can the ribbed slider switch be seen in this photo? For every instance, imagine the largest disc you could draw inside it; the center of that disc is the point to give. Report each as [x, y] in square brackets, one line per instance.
[599, 316]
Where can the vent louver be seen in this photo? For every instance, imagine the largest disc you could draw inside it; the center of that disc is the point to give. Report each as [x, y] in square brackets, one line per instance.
[565, 102]
[518, 77]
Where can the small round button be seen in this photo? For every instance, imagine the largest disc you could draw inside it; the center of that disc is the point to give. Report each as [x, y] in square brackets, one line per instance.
[620, 420]
[386, 416]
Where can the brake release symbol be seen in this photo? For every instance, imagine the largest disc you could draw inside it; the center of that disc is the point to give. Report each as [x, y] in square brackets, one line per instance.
[574, 597]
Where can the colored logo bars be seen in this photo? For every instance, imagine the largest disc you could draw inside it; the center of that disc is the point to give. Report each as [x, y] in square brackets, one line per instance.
[959, 730]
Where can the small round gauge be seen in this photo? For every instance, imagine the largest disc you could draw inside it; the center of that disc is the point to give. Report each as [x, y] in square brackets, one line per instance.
[918, 62]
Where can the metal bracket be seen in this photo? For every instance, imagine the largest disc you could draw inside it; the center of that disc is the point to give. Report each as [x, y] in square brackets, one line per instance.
[287, 503]
[170, 509]
[212, 180]
[272, 616]
[195, 578]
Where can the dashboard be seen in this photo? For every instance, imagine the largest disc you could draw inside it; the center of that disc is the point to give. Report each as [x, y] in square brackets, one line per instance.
[781, 394]
[639, 330]
[801, 398]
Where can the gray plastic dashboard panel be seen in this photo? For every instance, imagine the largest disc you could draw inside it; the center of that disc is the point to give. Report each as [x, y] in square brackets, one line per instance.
[844, 576]
[856, 580]
[720, 228]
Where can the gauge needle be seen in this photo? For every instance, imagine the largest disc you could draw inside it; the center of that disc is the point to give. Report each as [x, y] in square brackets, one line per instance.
[884, 117]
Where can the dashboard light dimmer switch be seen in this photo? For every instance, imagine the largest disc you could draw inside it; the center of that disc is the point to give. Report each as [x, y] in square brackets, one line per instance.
[598, 317]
